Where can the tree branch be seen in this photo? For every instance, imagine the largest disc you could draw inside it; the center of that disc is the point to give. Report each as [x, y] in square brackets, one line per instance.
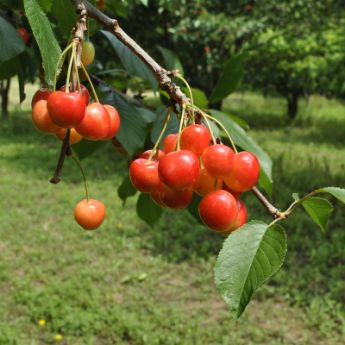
[269, 207]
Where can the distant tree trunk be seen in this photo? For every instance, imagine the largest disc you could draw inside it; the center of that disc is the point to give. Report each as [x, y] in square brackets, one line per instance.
[292, 104]
[4, 90]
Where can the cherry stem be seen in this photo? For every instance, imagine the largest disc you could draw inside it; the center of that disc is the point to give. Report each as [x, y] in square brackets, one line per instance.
[77, 161]
[165, 125]
[69, 71]
[179, 76]
[90, 82]
[60, 63]
[76, 72]
[65, 150]
[209, 127]
[180, 127]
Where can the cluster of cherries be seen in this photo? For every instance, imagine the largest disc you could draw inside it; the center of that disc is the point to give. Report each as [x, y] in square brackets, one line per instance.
[190, 163]
[55, 112]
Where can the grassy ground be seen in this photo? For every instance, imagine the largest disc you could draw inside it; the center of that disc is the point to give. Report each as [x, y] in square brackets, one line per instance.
[130, 284]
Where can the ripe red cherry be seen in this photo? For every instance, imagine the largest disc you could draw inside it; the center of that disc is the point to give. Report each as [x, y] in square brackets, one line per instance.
[195, 138]
[96, 123]
[74, 138]
[241, 215]
[66, 109]
[41, 118]
[89, 214]
[156, 157]
[236, 195]
[170, 143]
[206, 183]
[144, 175]
[175, 199]
[244, 173]
[42, 93]
[217, 159]
[218, 210]
[24, 34]
[179, 169]
[114, 121]
[84, 91]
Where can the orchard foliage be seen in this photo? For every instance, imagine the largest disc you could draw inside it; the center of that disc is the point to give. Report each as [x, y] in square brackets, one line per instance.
[178, 136]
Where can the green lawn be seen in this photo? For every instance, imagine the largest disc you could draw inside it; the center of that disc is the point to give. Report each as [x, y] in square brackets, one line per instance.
[131, 284]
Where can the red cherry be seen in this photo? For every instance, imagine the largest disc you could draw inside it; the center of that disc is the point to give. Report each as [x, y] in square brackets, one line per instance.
[236, 195]
[96, 123]
[66, 109]
[217, 159]
[206, 183]
[89, 214]
[42, 93]
[41, 118]
[195, 138]
[24, 34]
[179, 169]
[170, 143]
[74, 138]
[84, 91]
[144, 175]
[241, 215]
[114, 121]
[156, 157]
[175, 199]
[218, 210]
[244, 173]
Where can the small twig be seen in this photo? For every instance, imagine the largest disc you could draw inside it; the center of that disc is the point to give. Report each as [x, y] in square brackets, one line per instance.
[264, 201]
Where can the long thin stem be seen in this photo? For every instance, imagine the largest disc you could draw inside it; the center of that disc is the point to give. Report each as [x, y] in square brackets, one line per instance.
[90, 82]
[77, 161]
[179, 76]
[180, 127]
[60, 63]
[70, 68]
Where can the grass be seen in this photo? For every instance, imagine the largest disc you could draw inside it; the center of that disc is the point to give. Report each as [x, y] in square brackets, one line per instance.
[131, 284]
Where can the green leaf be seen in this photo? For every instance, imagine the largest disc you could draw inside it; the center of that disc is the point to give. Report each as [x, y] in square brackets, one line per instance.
[158, 124]
[230, 78]
[10, 41]
[130, 61]
[47, 43]
[9, 68]
[248, 258]
[126, 189]
[171, 60]
[147, 210]
[133, 127]
[337, 192]
[148, 115]
[265, 183]
[199, 97]
[319, 209]
[64, 13]
[86, 148]
[46, 4]
[243, 140]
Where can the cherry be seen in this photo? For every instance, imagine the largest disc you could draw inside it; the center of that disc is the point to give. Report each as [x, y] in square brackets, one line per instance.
[96, 123]
[74, 138]
[241, 215]
[206, 183]
[179, 169]
[170, 143]
[88, 53]
[144, 175]
[218, 210]
[217, 160]
[175, 199]
[156, 157]
[195, 138]
[236, 195]
[41, 118]
[66, 109]
[84, 91]
[42, 93]
[244, 173]
[114, 121]
[24, 34]
[89, 214]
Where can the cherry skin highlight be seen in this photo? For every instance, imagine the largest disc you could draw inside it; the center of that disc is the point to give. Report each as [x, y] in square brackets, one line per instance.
[170, 143]
[114, 118]
[244, 173]
[96, 123]
[89, 214]
[218, 210]
[206, 183]
[179, 169]
[144, 175]
[217, 160]
[66, 109]
[41, 118]
[195, 138]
